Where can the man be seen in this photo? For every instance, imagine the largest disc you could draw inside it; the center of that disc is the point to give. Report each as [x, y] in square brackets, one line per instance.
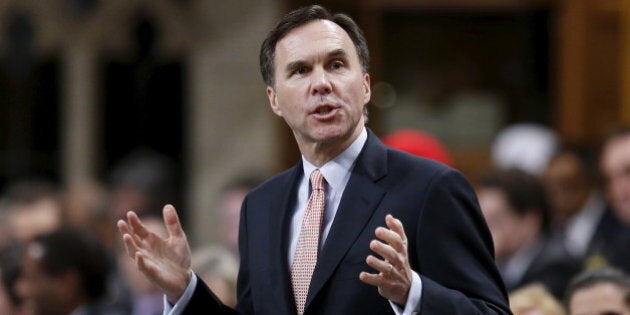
[615, 167]
[612, 239]
[515, 207]
[65, 272]
[603, 291]
[578, 209]
[315, 65]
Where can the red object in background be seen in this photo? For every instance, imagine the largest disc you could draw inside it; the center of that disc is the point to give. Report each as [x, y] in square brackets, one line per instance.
[418, 143]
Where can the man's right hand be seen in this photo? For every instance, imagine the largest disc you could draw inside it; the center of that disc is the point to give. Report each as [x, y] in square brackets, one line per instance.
[165, 262]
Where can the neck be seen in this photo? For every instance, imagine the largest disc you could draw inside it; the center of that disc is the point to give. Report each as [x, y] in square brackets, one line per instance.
[319, 153]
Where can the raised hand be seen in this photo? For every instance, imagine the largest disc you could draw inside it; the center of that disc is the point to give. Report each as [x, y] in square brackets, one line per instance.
[165, 262]
[394, 273]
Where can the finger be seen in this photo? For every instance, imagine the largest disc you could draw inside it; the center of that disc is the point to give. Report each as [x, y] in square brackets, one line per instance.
[123, 228]
[396, 226]
[371, 279]
[392, 238]
[382, 266]
[136, 225]
[384, 250]
[130, 246]
[171, 220]
[141, 263]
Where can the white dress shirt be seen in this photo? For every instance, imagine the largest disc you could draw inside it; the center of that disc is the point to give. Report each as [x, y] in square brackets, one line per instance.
[337, 173]
[581, 228]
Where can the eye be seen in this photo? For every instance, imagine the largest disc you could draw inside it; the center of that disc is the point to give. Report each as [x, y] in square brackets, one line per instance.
[301, 70]
[336, 65]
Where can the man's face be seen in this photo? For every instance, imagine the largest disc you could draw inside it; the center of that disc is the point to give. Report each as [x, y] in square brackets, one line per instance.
[566, 185]
[507, 227]
[615, 165]
[599, 299]
[42, 293]
[320, 89]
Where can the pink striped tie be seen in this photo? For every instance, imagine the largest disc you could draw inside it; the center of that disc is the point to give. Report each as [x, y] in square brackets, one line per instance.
[308, 242]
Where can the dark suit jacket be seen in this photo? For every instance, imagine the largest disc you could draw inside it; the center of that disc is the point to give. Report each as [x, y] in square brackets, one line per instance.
[610, 243]
[552, 266]
[449, 243]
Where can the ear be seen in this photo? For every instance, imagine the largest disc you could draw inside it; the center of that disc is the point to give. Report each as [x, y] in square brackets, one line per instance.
[367, 86]
[273, 101]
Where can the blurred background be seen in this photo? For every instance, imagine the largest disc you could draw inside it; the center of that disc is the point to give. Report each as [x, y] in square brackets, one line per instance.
[115, 105]
[93, 91]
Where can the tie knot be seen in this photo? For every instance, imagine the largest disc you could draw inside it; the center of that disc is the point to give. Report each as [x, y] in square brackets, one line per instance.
[317, 180]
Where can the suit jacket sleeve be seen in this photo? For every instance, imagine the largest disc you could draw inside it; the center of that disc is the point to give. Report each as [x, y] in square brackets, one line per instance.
[455, 256]
[204, 301]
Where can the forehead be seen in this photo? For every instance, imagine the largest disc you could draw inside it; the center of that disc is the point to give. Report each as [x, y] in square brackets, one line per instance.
[598, 299]
[492, 199]
[563, 164]
[313, 38]
[617, 151]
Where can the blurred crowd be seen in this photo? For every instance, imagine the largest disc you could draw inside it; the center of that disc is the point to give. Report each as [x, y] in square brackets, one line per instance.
[60, 251]
[558, 213]
[559, 216]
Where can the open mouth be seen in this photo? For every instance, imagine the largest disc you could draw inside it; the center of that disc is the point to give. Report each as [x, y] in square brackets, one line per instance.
[323, 110]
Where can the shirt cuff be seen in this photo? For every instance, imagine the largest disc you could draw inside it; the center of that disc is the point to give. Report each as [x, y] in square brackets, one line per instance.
[413, 300]
[179, 306]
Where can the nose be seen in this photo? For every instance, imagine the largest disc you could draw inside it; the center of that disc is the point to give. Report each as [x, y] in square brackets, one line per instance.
[321, 84]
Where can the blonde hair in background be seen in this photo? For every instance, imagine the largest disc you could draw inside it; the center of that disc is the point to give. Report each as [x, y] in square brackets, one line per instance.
[534, 299]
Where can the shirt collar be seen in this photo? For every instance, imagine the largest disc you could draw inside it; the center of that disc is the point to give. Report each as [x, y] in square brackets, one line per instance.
[335, 170]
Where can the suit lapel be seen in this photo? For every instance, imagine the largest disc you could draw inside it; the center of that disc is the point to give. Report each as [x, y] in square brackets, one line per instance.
[280, 224]
[358, 203]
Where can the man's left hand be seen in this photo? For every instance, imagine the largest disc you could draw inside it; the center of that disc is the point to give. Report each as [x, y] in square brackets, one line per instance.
[394, 273]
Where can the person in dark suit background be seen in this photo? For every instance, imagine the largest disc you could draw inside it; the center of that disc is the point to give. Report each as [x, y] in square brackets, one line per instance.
[516, 209]
[65, 273]
[399, 234]
[610, 243]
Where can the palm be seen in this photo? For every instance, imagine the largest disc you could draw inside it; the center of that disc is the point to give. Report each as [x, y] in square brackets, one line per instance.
[165, 262]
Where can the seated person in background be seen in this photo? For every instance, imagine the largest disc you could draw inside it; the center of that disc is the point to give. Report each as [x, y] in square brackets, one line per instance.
[615, 167]
[218, 268]
[577, 207]
[534, 299]
[65, 272]
[611, 243]
[32, 207]
[516, 211]
[604, 291]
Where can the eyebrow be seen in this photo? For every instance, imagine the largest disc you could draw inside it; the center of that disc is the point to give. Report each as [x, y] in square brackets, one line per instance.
[338, 53]
[293, 66]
